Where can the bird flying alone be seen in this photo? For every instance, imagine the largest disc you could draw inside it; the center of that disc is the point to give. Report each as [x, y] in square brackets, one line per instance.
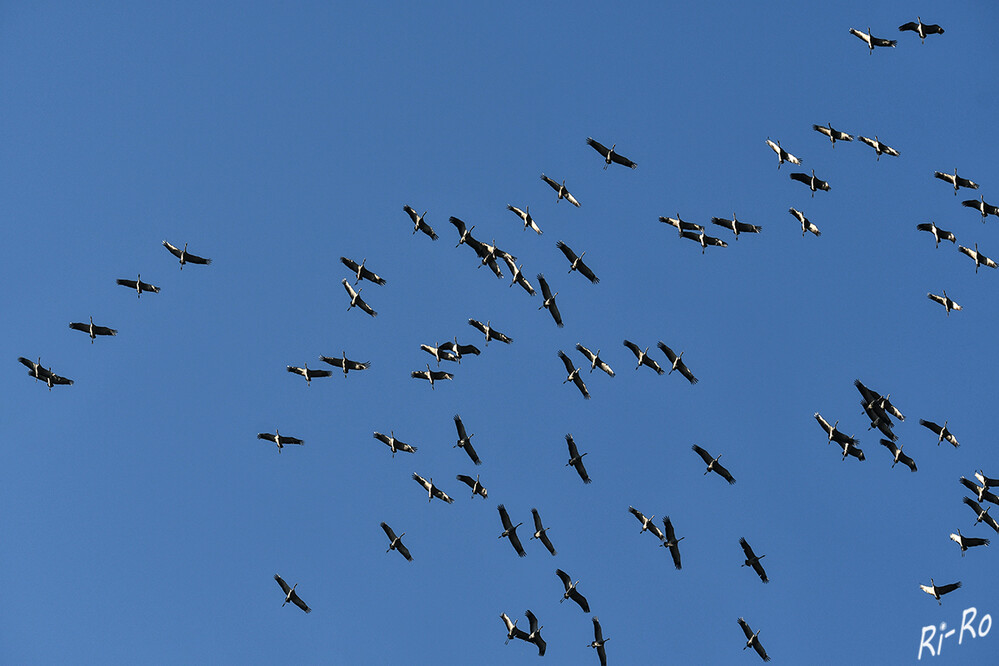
[782, 155]
[703, 239]
[571, 592]
[806, 225]
[879, 148]
[465, 441]
[753, 641]
[419, 224]
[474, 484]
[431, 375]
[576, 263]
[510, 530]
[594, 359]
[490, 332]
[395, 542]
[937, 591]
[671, 543]
[610, 157]
[713, 464]
[360, 272]
[573, 375]
[549, 302]
[955, 180]
[541, 532]
[812, 182]
[561, 190]
[138, 285]
[979, 258]
[680, 224]
[676, 363]
[921, 29]
[279, 439]
[345, 363]
[394, 444]
[290, 596]
[735, 226]
[308, 373]
[525, 215]
[576, 459]
[938, 233]
[643, 357]
[356, 300]
[432, 490]
[753, 560]
[982, 207]
[897, 455]
[598, 641]
[92, 329]
[185, 256]
[833, 134]
[944, 300]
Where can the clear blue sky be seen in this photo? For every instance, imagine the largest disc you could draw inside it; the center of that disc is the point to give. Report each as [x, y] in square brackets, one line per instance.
[143, 521]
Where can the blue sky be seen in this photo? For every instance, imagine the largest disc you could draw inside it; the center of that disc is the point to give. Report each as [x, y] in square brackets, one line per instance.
[143, 520]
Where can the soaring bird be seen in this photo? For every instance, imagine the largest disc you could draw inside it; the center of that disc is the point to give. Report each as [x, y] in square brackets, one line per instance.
[938, 233]
[549, 302]
[782, 155]
[356, 300]
[681, 225]
[184, 256]
[977, 256]
[703, 239]
[395, 542]
[535, 635]
[713, 464]
[510, 530]
[541, 532]
[138, 285]
[944, 300]
[576, 263]
[735, 226]
[431, 375]
[92, 330]
[647, 523]
[806, 225]
[394, 444]
[571, 592]
[594, 359]
[879, 148]
[360, 272]
[871, 40]
[465, 441]
[432, 490]
[279, 439]
[938, 591]
[940, 431]
[576, 459]
[982, 207]
[525, 215]
[643, 357]
[474, 484]
[812, 182]
[609, 155]
[512, 631]
[833, 134]
[897, 455]
[956, 180]
[753, 560]
[676, 363]
[489, 332]
[982, 515]
[560, 189]
[419, 224]
[308, 373]
[345, 363]
[290, 595]
[967, 542]
[598, 641]
[921, 29]
[753, 641]
[573, 374]
[518, 276]
[671, 542]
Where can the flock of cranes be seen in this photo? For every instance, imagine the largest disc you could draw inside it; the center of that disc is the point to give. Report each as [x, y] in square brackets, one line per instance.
[877, 407]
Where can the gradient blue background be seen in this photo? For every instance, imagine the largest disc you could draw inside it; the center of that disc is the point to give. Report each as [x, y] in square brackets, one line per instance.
[143, 522]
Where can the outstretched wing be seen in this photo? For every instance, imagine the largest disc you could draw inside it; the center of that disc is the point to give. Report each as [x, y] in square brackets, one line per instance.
[175, 251]
[567, 251]
[597, 146]
[284, 586]
[566, 361]
[705, 456]
[388, 531]
[545, 290]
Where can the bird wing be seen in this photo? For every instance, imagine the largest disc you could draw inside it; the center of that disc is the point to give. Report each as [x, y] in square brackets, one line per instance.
[567, 251]
[367, 308]
[728, 476]
[622, 160]
[973, 504]
[571, 199]
[291, 440]
[460, 427]
[566, 580]
[469, 349]
[423, 482]
[685, 371]
[401, 547]
[692, 235]
[760, 651]
[440, 374]
[580, 599]
[195, 259]
[556, 315]
[501, 337]
[517, 546]
[145, 286]
[412, 213]
[746, 548]
[284, 586]
[357, 365]
[931, 425]
[587, 273]
[745, 228]
[944, 176]
[349, 263]
[801, 177]
[268, 436]
[55, 379]
[666, 350]
[944, 589]
[441, 495]
[722, 222]
[350, 290]
[79, 327]
[548, 542]
[581, 470]
[428, 230]
[566, 361]
[297, 600]
[555, 186]
[578, 381]
[655, 530]
[911, 25]
[590, 356]
[477, 324]
[320, 373]
[104, 330]
[633, 347]
[758, 568]
[823, 129]
[545, 290]
[742, 623]
[467, 480]
[532, 621]
[338, 362]
[862, 35]
[597, 146]
[388, 531]
[458, 224]
[504, 517]
[870, 142]
[888, 150]
[637, 514]
[471, 453]
[705, 456]
[573, 451]
[382, 438]
[598, 634]
[881, 41]
[372, 277]
[175, 251]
